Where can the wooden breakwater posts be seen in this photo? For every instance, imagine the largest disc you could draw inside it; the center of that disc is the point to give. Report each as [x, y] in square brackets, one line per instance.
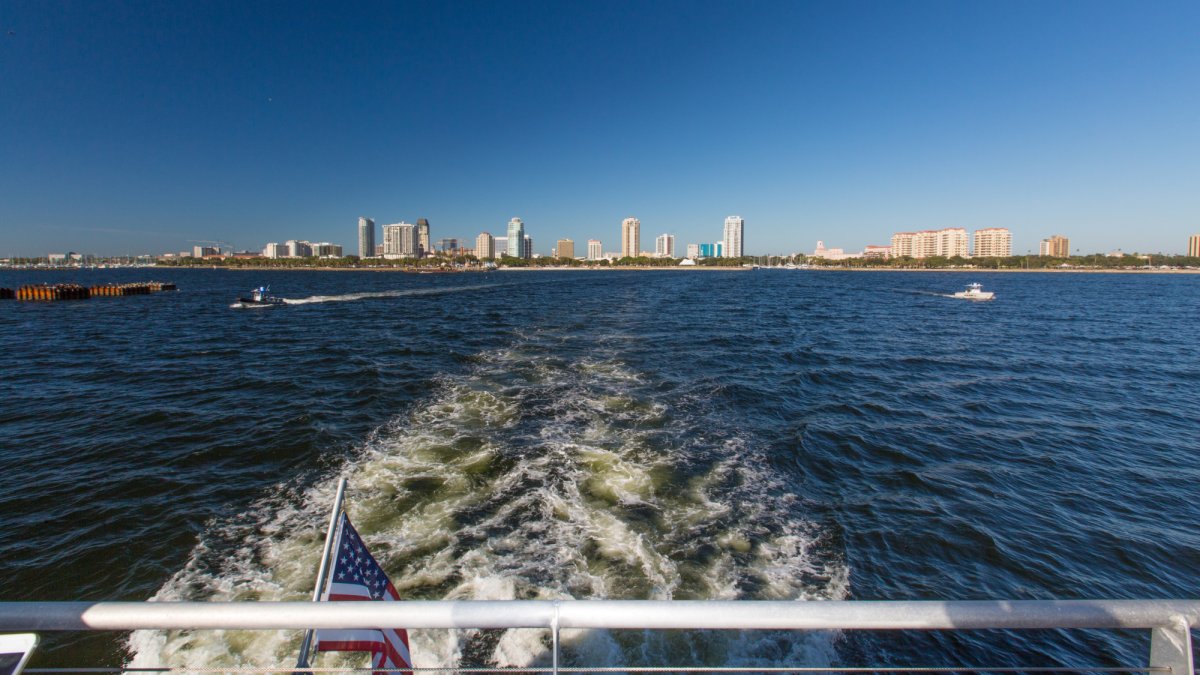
[50, 292]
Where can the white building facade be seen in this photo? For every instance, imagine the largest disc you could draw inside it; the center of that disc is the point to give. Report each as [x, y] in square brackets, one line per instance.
[664, 246]
[594, 250]
[735, 227]
[399, 240]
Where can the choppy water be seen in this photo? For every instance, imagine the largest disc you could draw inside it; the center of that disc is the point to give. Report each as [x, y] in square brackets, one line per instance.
[769, 434]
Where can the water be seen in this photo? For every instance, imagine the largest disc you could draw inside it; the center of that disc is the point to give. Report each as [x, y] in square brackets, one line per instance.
[758, 435]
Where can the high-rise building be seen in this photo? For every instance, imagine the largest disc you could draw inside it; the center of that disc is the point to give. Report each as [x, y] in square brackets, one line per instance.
[423, 238]
[528, 250]
[564, 249]
[693, 251]
[595, 250]
[993, 242]
[711, 250]
[201, 251]
[516, 237]
[664, 246]
[366, 237]
[501, 247]
[274, 250]
[485, 246]
[735, 227]
[1194, 246]
[631, 237]
[399, 240]
[445, 244]
[1056, 246]
[902, 244]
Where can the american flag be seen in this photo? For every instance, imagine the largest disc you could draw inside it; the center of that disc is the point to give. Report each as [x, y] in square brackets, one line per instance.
[356, 576]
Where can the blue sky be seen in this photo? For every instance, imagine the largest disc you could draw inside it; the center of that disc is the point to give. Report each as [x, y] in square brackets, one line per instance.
[129, 127]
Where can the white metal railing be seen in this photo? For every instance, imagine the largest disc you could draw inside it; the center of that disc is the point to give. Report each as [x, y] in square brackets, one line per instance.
[1169, 621]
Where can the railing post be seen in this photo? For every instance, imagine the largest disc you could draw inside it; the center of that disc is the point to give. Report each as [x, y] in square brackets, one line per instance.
[554, 638]
[1171, 647]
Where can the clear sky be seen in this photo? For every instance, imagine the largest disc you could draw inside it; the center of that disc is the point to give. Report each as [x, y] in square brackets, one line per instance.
[130, 127]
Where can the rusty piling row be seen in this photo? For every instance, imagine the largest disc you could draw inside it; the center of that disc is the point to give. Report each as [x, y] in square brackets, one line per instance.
[48, 292]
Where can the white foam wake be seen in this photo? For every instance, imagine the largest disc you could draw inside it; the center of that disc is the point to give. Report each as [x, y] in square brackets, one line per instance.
[530, 477]
[350, 297]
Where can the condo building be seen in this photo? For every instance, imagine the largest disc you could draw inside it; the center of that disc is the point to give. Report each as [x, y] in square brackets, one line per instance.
[485, 246]
[565, 248]
[1194, 246]
[693, 251]
[325, 249]
[711, 250]
[274, 250]
[734, 229]
[993, 242]
[664, 246]
[366, 237]
[528, 250]
[1056, 246]
[948, 243]
[631, 237]
[399, 240]
[873, 251]
[516, 235]
[595, 251]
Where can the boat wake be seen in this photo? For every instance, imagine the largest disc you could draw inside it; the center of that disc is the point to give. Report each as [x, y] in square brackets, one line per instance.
[532, 477]
[350, 297]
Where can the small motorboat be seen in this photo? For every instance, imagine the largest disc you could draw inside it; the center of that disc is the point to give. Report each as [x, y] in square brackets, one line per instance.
[259, 298]
[975, 292]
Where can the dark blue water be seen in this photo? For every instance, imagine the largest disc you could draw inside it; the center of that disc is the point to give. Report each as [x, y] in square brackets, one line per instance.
[767, 434]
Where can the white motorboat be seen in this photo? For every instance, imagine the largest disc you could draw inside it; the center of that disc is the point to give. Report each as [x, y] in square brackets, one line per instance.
[975, 292]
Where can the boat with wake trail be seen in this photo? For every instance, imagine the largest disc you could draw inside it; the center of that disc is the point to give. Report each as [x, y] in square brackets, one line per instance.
[260, 297]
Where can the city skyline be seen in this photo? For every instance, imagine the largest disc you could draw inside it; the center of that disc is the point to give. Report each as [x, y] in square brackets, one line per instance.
[139, 131]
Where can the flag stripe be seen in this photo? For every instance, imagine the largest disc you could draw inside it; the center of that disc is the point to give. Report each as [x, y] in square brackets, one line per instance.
[355, 575]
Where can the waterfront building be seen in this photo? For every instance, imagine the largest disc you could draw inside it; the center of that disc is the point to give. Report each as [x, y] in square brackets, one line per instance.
[516, 235]
[298, 249]
[948, 242]
[693, 251]
[501, 247]
[274, 250]
[423, 237]
[201, 251]
[993, 242]
[528, 250]
[664, 246]
[882, 252]
[564, 249]
[832, 253]
[366, 237]
[1057, 246]
[325, 249]
[485, 246]
[400, 240]
[734, 229]
[594, 251]
[1194, 246]
[445, 244]
[631, 237]
[711, 250]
